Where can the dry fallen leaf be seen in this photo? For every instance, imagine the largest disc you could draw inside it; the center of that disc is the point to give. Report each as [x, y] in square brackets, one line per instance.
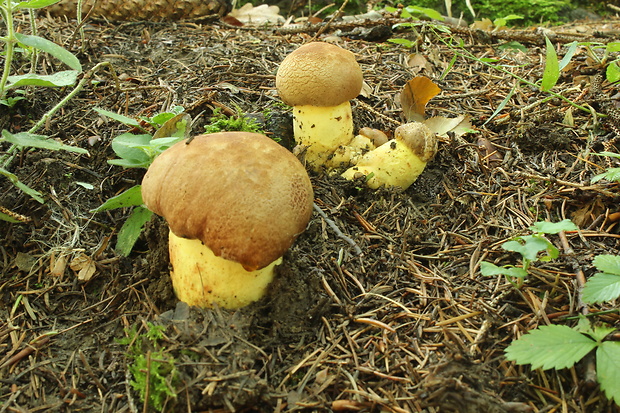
[415, 95]
[442, 125]
[416, 62]
[258, 15]
[84, 266]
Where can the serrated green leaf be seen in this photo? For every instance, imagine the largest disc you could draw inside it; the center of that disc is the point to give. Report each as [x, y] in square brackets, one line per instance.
[58, 79]
[120, 118]
[607, 263]
[131, 230]
[545, 227]
[30, 140]
[52, 48]
[601, 287]
[550, 347]
[128, 198]
[598, 333]
[612, 174]
[608, 369]
[551, 73]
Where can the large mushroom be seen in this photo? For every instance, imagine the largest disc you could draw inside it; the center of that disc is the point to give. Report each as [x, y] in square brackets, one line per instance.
[235, 202]
[318, 80]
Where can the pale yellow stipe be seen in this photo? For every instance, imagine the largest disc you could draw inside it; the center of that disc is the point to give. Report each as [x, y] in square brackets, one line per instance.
[202, 279]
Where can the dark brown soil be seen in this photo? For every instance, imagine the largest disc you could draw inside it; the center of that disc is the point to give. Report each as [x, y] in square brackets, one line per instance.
[379, 306]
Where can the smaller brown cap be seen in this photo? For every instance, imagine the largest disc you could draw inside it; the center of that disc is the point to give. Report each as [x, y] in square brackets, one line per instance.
[419, 138]
[243, 195]
[319, 74]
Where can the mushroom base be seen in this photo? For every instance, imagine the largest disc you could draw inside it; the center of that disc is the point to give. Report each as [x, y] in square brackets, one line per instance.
[319, 131]
[202, 279]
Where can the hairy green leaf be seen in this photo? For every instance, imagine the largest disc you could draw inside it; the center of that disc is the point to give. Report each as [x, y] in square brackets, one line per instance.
[601, 287]
[58, 79]
[607, 263]
[52, 48]
[120, 118]
[612, 174]
[38, 196]
[128, 198]
[131, 230]
[30, 140]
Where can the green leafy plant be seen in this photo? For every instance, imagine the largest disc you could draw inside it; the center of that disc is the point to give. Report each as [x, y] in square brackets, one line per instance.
[559, 347]
[238, 122]
[14, 41]
[153, 370]
[138, 150]
[609, 58]
[604, 285]
[611, 174]
[532, 248]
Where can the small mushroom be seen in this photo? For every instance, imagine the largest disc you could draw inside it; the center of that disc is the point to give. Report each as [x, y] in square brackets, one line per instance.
[318, 80]
[235, 202]
[399, 161]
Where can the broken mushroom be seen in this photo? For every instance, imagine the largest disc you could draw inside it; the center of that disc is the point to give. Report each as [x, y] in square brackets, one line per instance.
[318, 80]
[397, 162]
[235, 202]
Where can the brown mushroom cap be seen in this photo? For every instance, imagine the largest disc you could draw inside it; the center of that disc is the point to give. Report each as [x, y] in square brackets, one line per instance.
[246, 197]
[419, 138]
[319, 74]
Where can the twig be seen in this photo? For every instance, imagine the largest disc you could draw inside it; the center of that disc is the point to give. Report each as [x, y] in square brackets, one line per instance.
[335, 228]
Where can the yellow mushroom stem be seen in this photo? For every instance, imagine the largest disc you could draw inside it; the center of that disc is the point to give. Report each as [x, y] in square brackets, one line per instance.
[397, 162]
[350, 153]
[320, 130]
[202, 279]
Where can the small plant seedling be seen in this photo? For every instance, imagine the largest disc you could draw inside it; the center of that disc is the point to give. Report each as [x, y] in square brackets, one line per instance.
[611, 174]
[530, 248]
[559, 347]
[139, 151]
[153, 370]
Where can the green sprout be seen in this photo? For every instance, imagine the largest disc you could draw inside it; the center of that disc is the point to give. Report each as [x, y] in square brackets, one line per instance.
[532, 248]
[153, 370]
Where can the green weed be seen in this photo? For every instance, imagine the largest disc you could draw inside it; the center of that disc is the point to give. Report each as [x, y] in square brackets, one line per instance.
[153, 370]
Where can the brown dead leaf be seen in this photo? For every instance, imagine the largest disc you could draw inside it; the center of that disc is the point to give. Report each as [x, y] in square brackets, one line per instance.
[415, 95]
[84, 266]
[416, 62]
[58, 264]
[484, 24]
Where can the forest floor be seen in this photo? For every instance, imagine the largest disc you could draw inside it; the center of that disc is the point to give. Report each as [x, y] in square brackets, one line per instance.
[380, 305]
